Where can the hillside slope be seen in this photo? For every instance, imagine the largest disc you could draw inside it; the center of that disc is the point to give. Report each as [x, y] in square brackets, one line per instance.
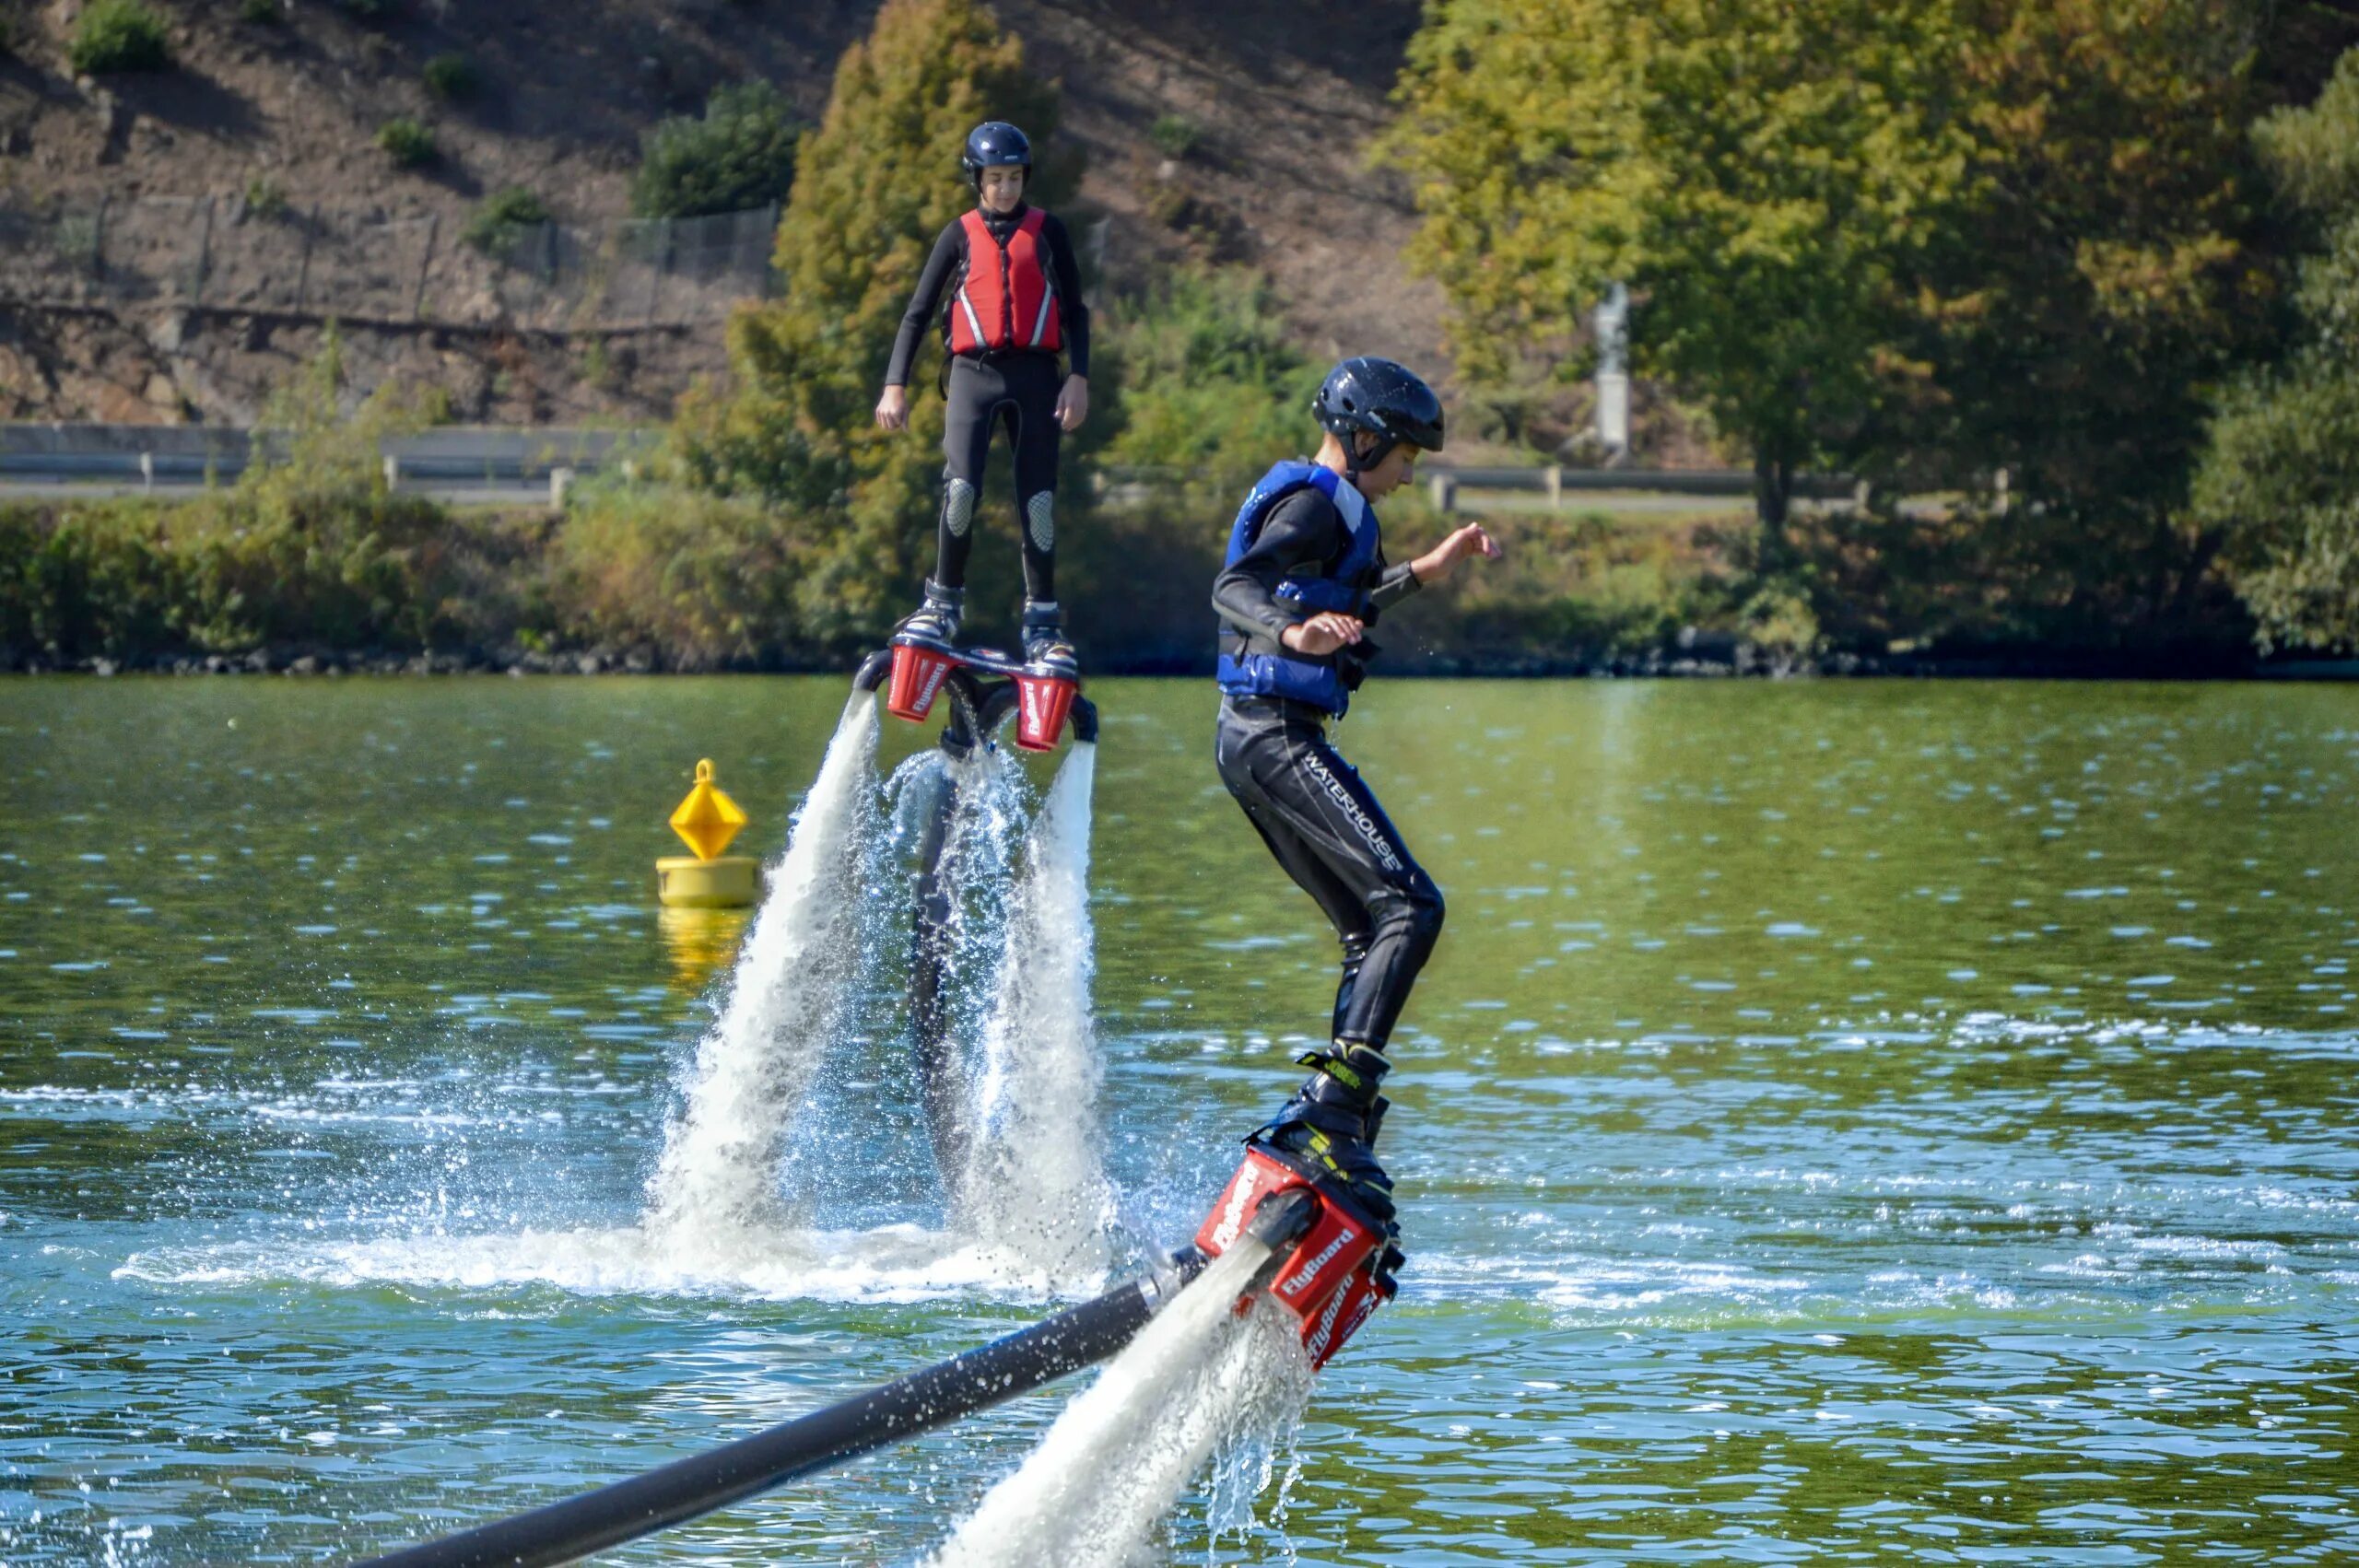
[1284, 98]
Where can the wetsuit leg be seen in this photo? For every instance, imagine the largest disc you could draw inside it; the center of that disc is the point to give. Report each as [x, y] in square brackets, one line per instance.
[1327, 830]
[1336, 899]
[975, 395]
[1033, 380]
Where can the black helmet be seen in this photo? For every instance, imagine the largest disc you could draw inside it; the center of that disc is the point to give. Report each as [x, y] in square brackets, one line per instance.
[992, 143]
[1385, 398]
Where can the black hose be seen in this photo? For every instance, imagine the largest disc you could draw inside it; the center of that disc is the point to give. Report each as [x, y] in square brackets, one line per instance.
[920, 1402]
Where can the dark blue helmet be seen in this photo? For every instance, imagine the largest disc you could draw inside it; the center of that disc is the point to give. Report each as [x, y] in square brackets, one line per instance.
[990, 145]
[1385, 398]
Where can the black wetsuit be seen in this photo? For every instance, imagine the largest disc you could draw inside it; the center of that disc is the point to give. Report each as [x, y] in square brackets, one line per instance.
[1017, 387]
[1310, 806]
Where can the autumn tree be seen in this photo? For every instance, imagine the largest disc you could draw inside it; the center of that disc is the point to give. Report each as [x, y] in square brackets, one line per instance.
[874, 184]
[2282, 477]
[2109, 265]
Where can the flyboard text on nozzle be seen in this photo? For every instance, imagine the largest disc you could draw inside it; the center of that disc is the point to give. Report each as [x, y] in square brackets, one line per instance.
[1329, 1278]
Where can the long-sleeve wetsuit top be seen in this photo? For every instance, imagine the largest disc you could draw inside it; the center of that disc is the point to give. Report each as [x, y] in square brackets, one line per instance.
[1303, 530]
[947, 268]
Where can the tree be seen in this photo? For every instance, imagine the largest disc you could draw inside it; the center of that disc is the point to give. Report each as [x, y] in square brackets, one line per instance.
[2281, 475]
[2109, 266]
[1765, 175]
[874, 185]
[738, 155]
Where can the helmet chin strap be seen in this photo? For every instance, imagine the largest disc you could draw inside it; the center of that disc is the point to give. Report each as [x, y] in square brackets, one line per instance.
[1354, 465]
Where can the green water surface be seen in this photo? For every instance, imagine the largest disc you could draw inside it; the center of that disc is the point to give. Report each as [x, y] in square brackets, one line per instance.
[1843, 1122]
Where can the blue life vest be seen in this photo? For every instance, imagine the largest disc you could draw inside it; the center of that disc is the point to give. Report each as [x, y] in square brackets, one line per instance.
[1253, 672]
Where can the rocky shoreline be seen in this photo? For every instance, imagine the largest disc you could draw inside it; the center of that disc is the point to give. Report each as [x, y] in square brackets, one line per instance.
[1701, 658]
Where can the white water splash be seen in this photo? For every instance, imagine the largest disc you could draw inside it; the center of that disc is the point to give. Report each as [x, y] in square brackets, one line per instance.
[1035, 1182]
[754, 1067]
[1110, 1469]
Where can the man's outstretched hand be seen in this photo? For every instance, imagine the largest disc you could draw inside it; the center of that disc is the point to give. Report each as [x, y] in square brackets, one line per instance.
[1442, 560]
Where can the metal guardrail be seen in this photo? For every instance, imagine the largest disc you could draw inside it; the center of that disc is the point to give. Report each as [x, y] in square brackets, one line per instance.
[1556, 481]
[458, 457]
[454, 457]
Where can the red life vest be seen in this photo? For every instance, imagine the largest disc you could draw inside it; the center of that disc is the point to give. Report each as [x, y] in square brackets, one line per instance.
[1011, 305]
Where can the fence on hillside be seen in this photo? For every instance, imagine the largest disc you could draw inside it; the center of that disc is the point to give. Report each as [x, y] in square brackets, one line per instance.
[224, 253]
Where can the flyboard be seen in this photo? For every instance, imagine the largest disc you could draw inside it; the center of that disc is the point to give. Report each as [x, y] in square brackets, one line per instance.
[1329, 1264]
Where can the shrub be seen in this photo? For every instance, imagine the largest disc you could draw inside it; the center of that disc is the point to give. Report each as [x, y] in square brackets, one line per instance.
[265, 197]
[494, 227]
[1203, 380]
[119, 35]
[408, 143]
[1173, 135]
[308, 548]
[740, 155]
[454, 79]
[709, 580]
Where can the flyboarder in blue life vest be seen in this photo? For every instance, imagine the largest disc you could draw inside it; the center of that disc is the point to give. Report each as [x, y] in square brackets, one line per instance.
[1304, 580]
[1013, 305]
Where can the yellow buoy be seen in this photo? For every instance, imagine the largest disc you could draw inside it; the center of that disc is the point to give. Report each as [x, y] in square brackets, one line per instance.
[707, 821]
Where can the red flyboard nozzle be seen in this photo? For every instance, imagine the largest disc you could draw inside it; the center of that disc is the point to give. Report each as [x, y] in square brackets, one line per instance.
[1042, 702]
[1328, 1279]
[917, 674]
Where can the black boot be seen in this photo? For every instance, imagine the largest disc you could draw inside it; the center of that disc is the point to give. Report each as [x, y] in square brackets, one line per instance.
[937, 618]
[1044, 639]
[1332, 1123]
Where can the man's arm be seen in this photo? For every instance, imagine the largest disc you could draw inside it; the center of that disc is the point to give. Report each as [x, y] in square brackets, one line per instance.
[1396, 584]
[1071, 310]
[949, 252]
[1300, 530]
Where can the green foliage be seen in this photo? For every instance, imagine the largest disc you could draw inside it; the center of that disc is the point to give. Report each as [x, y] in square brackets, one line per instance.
[265, 197]
[262, 13]
[740, 155]
[2281, 475]
[119, 35]
[2100, 282]
[1926, 242]
[874, 185]
[308, 548]
[1174, 135]
[1200, 377]
[708, 580]
[454, 79]
[1764, 174]
[494, 228]
[408, 143]
[8, 34]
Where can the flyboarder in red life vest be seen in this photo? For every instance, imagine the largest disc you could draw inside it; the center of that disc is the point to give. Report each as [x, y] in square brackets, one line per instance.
[1003, 283]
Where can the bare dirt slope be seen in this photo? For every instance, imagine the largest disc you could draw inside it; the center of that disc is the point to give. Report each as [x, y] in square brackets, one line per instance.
[1286, 96]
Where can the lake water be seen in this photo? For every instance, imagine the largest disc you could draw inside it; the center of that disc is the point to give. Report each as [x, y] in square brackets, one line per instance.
[1842, 1122]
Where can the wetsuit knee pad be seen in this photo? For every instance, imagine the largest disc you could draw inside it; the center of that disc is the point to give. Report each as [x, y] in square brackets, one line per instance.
[958, 504]
[1040, 520]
